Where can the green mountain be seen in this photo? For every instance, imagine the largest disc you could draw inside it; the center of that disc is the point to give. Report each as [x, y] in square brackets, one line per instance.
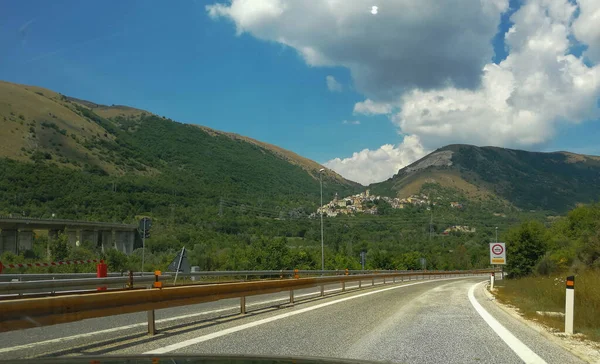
[238, 203]
[556, 181]
[79, 159]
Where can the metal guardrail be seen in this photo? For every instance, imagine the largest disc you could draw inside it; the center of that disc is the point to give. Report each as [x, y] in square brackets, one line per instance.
[57, 282]
[71, 284]
[50, 276]
[241, 273]
[26, 313]
[287, 272]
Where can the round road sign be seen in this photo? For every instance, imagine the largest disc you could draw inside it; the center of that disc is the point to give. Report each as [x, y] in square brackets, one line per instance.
[497, 249]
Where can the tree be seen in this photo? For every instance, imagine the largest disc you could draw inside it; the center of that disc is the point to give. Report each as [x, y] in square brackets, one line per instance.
[117, 261]
[59, 247]
[525, 247]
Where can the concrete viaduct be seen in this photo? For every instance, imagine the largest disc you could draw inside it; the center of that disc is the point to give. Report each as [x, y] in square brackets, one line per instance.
[16, 234]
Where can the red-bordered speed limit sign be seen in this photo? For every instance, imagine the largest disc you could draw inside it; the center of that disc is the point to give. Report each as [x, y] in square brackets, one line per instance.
[497, 253]
[497, 249]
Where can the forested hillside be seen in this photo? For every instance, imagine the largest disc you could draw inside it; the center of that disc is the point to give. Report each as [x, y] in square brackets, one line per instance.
[234, 202]
[555, 181]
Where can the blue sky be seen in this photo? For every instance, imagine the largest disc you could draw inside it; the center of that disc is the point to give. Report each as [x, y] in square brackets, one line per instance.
[173, 59]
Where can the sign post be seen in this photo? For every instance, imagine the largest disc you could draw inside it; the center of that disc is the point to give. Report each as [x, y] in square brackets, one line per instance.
[179, 264]
[144, 227]
[497, 257]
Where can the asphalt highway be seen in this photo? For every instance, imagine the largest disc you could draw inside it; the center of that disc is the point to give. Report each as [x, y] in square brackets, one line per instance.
[424, 321]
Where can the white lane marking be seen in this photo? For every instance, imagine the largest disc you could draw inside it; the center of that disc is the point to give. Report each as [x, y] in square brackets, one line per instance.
[249, 325]
[516, 345]
[141, 324]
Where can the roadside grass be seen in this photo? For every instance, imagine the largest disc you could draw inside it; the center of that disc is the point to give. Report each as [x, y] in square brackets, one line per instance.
[533, 294]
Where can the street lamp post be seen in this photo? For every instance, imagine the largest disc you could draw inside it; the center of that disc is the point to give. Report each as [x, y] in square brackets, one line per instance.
[496, 234]
[321, 207]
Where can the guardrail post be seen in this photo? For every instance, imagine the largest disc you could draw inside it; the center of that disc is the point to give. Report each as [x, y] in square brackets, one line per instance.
[492, 281]
[243, 305]
[383, 279]
[291, 296]
[570, 305]
[372, 281]
[343, 286]
[322, 290]
[151, 323]
[360, 283]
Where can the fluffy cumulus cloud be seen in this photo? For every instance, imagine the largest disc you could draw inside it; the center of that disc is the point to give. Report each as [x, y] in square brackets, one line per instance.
[369, 107]
[408, 43]
[521, 100]
[587, 28]
[332, 84]
[426, 64]
[368, 166]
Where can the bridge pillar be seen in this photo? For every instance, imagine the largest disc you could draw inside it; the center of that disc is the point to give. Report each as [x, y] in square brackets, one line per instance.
[89, 236]
[8, 240]
[121, 241]
[124, 241]
[108, 241]
[52, 235]
[25, 240]
[74, 236]
[130, 242]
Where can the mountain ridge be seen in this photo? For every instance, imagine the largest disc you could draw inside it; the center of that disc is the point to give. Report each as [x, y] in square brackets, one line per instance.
[132, 147]
[553, 181]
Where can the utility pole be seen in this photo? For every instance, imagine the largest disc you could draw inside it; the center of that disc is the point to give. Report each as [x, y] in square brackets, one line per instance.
[321, 207]
[431, 220]
[143, 246]
[363, 256]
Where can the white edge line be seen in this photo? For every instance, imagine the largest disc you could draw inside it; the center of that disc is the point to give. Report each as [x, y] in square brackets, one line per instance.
[516, 345]
[249, 325]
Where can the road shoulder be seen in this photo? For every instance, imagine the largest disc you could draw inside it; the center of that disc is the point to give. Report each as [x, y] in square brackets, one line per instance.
[583, 349]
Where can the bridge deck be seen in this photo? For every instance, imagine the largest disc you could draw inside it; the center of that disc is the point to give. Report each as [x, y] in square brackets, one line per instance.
[60, 224]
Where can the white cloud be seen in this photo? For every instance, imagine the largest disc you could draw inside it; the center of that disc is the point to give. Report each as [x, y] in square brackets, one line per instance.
[410, 43]
[587, 27]
[520, 101]
[332, 84]
[368, 166]
[351, 122]
[369, 107]
[248, 14]
[426, 64]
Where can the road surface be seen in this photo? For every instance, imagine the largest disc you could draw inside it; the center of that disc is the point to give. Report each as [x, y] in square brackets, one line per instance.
[430, 321]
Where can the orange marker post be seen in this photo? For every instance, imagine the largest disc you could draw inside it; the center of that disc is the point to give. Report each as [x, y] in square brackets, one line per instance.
[156, 283]
[570, 305]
